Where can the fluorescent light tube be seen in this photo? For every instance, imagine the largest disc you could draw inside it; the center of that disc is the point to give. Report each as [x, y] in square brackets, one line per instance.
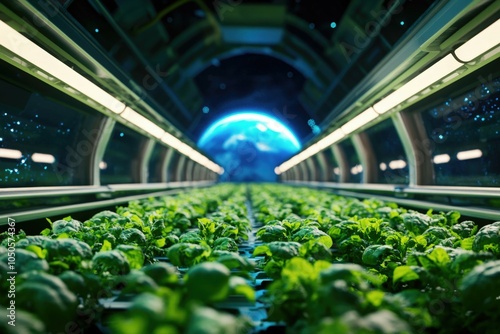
[311, 150]
[356, 169]
[331, 139]
[480, 44]
[21, 46]
[360, 120]
[43, 158]
[285, 166]
[441, 159]
[397, 164]
[439, 70]
[471, 154]
[170, 140]
[142, 122]
[185, 149]
[10, 154]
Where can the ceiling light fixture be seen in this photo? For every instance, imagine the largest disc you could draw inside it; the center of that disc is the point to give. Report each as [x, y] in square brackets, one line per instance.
[441, 159]
[142, 122]
[479, 44]
[357, 122]
[439, 70]
[21, 46]
[468, 155]
[23, 51]
[485, 44]
[10, 154]
[43, 158]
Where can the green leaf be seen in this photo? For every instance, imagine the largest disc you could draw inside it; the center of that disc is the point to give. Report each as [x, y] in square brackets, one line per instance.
[320, 265]
[46, 232]
[60, 264]
[239, 286]
[160, 242]
[41, 253]
[326, 240]
[134, 255]
[439, 256]
[375, 297]
[452, 217]
[467, 243]
[185, 254]
[284, 250]
[420, 239]
[376, 254]
[298, 268]
[106, 245]
[404, 274]
[235, 261]
[262, 249]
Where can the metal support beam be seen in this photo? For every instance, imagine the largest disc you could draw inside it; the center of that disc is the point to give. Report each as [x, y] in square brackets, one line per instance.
[144, 157]
[322, 166]
[103, 136]
[311, 168]
[295, 173]
[189, 170]
[339, 156]
[180, 168]
[366, 156]
[417, 147]
[303, 172]
[196, 172]
[165, 164]
[206, 174]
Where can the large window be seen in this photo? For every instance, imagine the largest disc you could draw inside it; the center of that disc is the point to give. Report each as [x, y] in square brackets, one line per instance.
[157, 156]
[333, 172]
[121, 161]
[392, 166]
[465, 135]
[355, 170]
[46, 138]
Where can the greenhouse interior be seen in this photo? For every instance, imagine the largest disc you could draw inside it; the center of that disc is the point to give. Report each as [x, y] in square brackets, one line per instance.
[249, 166]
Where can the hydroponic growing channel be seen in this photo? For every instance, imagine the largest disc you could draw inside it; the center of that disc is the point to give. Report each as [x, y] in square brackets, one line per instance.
[256, 259]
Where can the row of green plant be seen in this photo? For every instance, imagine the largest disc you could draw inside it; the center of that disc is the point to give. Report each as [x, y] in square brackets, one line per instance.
[338, 264]
[65, 273]
[343, 265]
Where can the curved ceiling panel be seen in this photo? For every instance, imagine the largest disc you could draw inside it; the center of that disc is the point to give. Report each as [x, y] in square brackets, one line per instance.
[173, 51]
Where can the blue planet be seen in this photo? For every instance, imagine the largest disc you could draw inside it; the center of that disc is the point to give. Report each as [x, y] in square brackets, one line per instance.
[249, 146]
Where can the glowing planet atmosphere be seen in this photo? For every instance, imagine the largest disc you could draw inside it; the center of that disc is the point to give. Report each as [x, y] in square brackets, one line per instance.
[249, 146]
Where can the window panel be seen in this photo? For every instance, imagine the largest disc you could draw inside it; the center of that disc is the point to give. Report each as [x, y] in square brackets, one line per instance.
[154, 172]
[121, 159]
[333, 171]
[43, 142]
[392, 165]
[355, 171]
[465, 132]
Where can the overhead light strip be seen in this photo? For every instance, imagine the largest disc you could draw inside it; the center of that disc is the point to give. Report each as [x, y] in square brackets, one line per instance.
[357, 122]
[439, 70]
[7, 153]
[51, 67]
[477, 46]
[142, 122]
[21, 46]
